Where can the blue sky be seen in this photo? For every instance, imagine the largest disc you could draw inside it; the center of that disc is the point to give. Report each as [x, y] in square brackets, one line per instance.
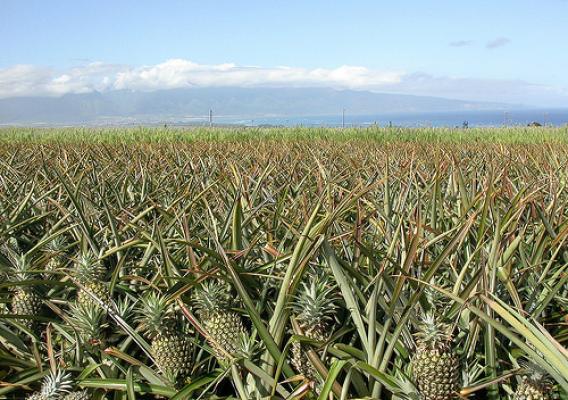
[514, 51]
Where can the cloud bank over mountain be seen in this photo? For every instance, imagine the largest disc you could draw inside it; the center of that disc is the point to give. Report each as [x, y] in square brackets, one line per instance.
[40, 81]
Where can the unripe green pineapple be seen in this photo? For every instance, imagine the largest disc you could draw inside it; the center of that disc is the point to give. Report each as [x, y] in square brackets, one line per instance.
[92, 291]
[81, 395]
[314, 308]
[55, 386]
[535, 384]
[226, 330]
[436, 367]
[170, 348]
[223, 327]
[172, 353]
[90, 275]
[25, 300]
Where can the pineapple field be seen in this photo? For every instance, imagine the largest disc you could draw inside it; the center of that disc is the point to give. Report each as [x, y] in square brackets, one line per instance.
[284, 264]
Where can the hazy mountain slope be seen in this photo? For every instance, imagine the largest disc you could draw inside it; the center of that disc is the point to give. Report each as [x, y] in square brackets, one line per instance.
[249, 102]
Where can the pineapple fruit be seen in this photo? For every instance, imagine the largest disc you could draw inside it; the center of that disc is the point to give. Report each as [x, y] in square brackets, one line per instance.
[90, 275]
[436, 368]
[314, 308]
[170, 348]
[80, 395]
[223, 327]
[25, 300]
[535, 384]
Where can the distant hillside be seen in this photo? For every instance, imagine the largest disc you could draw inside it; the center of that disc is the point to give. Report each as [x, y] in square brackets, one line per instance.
[176, 104]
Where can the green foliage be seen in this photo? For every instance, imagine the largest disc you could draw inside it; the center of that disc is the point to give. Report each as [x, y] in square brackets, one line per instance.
[211, 264]
[118, 135]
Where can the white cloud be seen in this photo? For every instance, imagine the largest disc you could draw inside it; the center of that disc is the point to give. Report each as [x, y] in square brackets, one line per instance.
[179, 73]
[489, 90]
[22, 80]
[28, 80]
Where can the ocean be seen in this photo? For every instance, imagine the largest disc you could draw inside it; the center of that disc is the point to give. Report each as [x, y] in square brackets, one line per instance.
[553, 117]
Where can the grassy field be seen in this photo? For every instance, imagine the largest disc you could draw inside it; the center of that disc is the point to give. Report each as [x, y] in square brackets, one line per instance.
[375, 134]
[284, 263]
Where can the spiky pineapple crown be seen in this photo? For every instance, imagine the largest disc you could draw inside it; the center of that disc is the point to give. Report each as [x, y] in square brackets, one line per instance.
[436, 299]
[535, 374]
[155, 315]
[88, 268]
[12, 244]
[433, 333]
[89, 320]
[57, 246]
[315, 305]
[20, 270]
[55, 386]
[213, 296]
[125, 308]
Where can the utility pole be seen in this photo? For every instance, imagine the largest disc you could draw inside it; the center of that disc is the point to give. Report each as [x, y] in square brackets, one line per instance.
[506, 120]
[343, 119]
[210, 117]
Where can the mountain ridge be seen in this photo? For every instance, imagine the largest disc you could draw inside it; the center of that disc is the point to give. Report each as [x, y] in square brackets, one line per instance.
[170, 105]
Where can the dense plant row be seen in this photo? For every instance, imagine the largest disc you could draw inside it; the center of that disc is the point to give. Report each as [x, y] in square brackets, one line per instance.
[283, 269]
[372, 133]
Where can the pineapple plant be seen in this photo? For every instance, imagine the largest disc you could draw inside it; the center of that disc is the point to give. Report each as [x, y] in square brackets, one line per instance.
[436, 368]
[314, 308]
[170, 348]
[25, 300]
[90, 275]
[223, 327]
[441, 213]
[535, 384]
[56, 253]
